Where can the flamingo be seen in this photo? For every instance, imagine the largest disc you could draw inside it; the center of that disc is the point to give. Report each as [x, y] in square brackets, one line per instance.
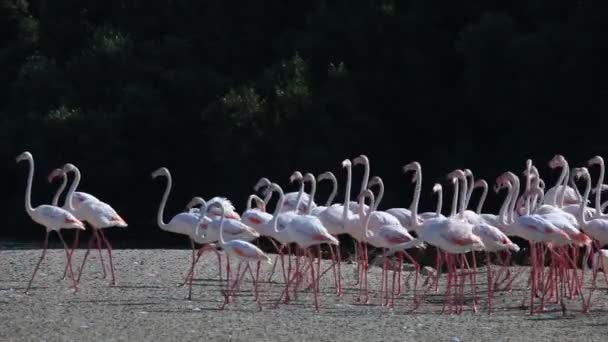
[306, 231]
[291, 198]
[387, 237]
[532, 227]
[437, 189]
[326, 176]
[51, 217]
[452, 234]
[568, 194]
[596, 227]
[79, 198]
[239, 249]
[181, 223]
[98, 214]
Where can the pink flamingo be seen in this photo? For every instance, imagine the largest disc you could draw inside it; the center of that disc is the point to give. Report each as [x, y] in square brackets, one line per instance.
[452, 234]
[79, 197]
[98, 214]
[241, 250]
[51, 217]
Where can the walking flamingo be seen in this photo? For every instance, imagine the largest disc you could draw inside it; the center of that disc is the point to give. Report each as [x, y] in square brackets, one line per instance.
[79, 197]
[98, 214]
[51, 217]
[241, 250]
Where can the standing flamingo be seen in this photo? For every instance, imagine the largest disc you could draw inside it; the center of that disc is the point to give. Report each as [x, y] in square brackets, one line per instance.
[241, 250]
[51, 217]
[98, 214]
[182, 223]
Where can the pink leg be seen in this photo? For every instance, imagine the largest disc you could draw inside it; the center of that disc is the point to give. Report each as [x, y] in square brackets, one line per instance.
[45, 245]
[312, 275]
[68, 256]
[490, 282]
[105, 240]
[84, 259]
[74, 245]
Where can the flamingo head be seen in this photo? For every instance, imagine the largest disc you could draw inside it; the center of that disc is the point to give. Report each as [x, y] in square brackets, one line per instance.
[597, 160]
[374, 181]
[263, 182]
[437, 187]
[326, 175]
[162, 171]
[195, 201]
[480, 183]
[23, 156]
[413, 166]
[296, 175]
[68, 167]
[346, 163]
[362, 159]
[54, 174]
[581, 172]
[557, 161]
[459, 174]
[309, 177]
[468, 173]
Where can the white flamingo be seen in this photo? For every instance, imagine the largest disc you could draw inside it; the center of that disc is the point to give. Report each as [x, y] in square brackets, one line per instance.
[51, 217]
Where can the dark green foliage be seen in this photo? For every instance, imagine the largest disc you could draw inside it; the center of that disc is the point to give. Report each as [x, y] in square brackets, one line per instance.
[224, 92]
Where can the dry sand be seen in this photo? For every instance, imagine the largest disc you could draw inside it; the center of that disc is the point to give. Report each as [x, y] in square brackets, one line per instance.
[148, 305]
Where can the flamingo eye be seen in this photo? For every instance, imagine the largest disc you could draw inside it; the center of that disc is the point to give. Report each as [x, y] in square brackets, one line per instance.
[505, 241]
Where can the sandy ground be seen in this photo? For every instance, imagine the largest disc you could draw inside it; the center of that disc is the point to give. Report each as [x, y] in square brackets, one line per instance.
[148, 305]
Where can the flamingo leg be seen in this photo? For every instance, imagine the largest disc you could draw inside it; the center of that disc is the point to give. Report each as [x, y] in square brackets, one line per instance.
[45, 245]
[74, 245]
[68, 256]
[105, 240]
[312, 275]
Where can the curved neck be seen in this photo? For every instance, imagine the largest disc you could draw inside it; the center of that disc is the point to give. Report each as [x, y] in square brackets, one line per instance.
[334, 192]
[365, 176]
[454, 198]
[222, 219]
[249, 200]
[414, 207]
[300, 196]
[515, 181]
[482, 199]
[598, 191]
[562, 193]
[528, 185]
[313, 190]
[349, 178]
[277, 210]
[560, 180]
[439, 202]
[581, 212]
[64, 183]
[267, 198]
[369, 214]
[505, 204]
[463, 195]
[163, 202]
[470, 188]
[70, 195]
[28, 188]
[380, 194]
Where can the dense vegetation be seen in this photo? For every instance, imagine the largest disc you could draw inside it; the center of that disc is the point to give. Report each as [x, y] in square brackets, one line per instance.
[223, 92]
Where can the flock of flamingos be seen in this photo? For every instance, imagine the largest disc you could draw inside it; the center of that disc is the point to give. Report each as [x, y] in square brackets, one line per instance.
[564, 234]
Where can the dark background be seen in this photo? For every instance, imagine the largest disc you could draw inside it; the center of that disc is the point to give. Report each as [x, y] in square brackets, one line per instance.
[223, 92]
